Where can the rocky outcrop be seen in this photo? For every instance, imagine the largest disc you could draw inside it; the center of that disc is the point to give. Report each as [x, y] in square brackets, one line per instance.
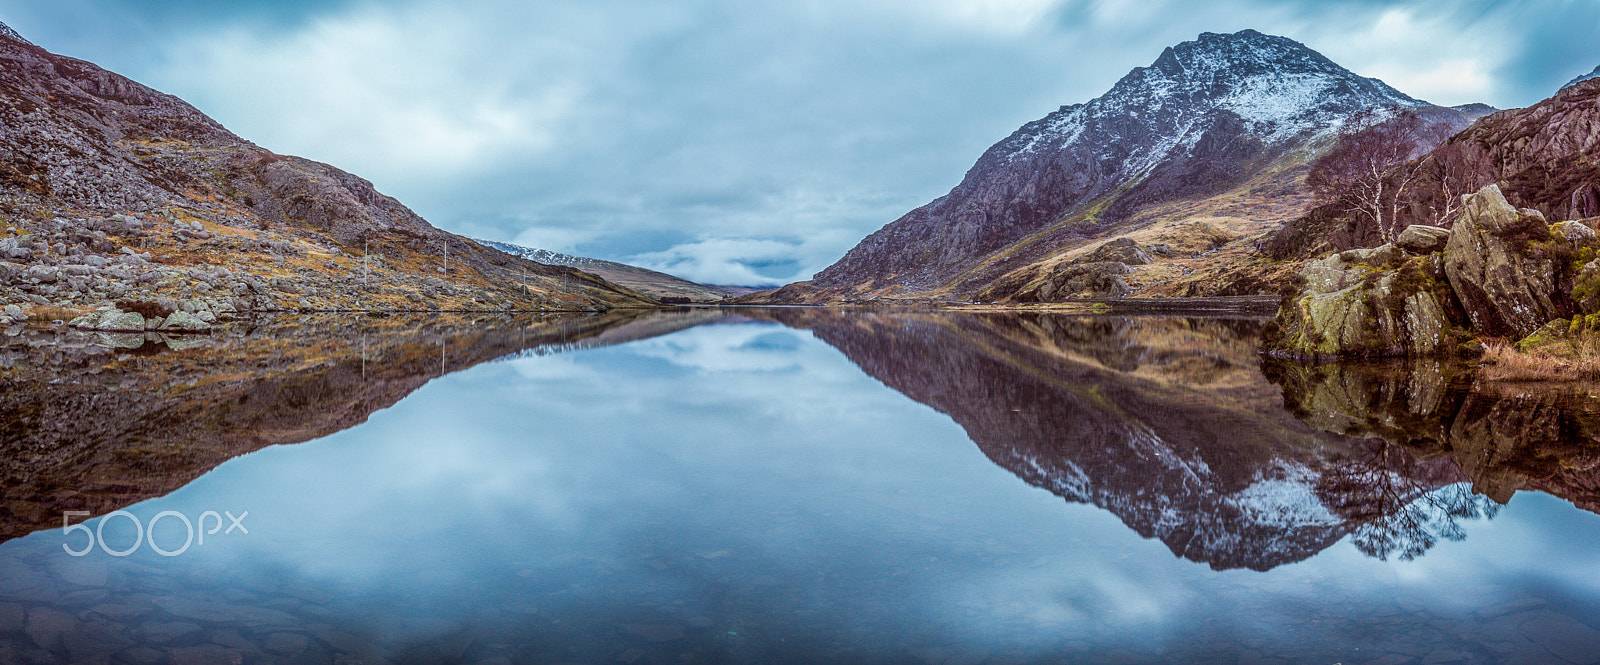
[1543, 156]
[1503, 264]
[1421, 239]
[1122, 250]
[1366, 303]
[1502, 272]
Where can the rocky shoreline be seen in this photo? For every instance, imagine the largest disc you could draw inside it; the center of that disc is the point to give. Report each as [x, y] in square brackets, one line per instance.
[1498, 273]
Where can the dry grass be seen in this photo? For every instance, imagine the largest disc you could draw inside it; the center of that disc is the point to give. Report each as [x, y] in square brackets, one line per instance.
[1503, 362]
[48, 313]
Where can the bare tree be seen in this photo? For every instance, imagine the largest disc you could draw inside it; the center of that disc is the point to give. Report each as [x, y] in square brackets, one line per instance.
[1372, 168]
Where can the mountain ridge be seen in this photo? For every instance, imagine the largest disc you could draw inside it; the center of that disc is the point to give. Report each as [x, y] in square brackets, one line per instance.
[112, 191]
[1582, 77]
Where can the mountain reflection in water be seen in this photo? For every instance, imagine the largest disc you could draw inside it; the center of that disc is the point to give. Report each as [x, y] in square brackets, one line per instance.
[95, 421]
[1167, 423]
[639, 488]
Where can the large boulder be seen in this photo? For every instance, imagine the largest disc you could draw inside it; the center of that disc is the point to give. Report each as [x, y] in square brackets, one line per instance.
[181, 321]
[1086, 280]
[1419, 239]
[110, 319]
[1122, 250]
[1503, 264]
[1366, 303]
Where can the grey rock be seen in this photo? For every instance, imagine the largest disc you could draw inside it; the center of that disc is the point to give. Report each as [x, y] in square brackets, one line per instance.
[205, 654]
[50, 628]
[286, 644]
[1564, 636]
[1505, 291]
[1098, 279]
[110, 319]
[181, 321]
[12, 617]
[1574, 232]
[1420, 239]
[1120, 250]
[142, 656]
[164, 632]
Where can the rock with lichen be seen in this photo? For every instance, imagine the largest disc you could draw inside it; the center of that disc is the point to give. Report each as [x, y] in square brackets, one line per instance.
[1366, 303]
[1503, 265]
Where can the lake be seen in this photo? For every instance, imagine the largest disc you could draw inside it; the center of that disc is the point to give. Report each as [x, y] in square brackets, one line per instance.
[783, 486]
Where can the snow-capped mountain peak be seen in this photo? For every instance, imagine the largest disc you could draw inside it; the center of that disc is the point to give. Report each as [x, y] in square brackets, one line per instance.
[6, 31]
[1279, 87]
[1206, 115]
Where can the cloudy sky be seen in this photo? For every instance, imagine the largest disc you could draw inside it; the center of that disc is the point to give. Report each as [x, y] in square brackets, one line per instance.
[729, 141]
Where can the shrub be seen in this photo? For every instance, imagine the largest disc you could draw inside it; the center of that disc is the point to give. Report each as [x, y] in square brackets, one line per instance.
[147, 308]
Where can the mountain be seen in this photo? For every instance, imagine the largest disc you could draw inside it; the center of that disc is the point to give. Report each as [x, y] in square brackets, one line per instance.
[1591, 75]
[1204, 147]
[1544, 154]
[112, 191]
[655, 284]
[1471, 112]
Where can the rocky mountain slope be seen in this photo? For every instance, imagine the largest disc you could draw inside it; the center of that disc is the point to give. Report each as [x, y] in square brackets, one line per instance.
[1203, 148]
[1544, 156]
[643, 280]
[112, 191]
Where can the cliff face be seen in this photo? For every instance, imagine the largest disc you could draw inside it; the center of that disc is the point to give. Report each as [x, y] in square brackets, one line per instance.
[1208, 117]
[109, 189]
[1544, 155]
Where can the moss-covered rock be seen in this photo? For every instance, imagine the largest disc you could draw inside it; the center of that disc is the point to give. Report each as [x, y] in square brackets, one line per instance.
[1366, 303]
[1504, 265]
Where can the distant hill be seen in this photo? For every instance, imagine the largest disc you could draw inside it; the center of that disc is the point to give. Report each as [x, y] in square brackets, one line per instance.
[644, 280]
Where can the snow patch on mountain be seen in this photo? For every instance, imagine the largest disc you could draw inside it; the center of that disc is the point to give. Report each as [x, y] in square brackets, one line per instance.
[6, 31]
[1281, 89]
[544, 256]
[1286, 501]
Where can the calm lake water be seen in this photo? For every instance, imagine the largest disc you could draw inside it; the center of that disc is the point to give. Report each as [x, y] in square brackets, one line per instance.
[800, 486]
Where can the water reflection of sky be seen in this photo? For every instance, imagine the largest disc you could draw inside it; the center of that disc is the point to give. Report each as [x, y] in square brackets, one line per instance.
[743, 492]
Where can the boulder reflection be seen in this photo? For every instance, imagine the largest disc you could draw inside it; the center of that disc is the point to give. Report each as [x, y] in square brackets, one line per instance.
[1502, 437]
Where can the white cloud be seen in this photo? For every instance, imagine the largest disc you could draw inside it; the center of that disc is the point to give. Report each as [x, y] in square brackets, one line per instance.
[555, 239]
[1423, 54]
[401, 96]
[728, 261]
[659, 131]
